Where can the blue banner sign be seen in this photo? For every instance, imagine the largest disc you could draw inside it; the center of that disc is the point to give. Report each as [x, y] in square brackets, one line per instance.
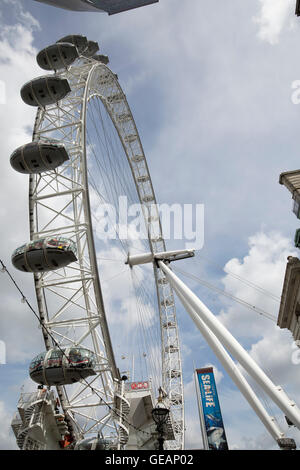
[212, 417]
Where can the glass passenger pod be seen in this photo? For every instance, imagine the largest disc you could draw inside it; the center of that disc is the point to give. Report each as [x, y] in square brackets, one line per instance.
[169, 324]
[172, 348]
[57, 56]
[101, 58]
[62, 366]
[79, 41]
[92, 49]
[44, 254]
[45, 90]
[115, 99]
[37, 157]
[109, 6]
[176, 398]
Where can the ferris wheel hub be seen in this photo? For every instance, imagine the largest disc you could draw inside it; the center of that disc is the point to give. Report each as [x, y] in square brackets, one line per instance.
[58, 162]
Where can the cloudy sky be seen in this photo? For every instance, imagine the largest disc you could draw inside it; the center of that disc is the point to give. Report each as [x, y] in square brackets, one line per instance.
[212, 89]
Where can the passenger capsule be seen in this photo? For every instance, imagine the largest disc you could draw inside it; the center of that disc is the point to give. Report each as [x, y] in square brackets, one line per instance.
[92, 48]
[62, 366]
[37, 157]
[149, 199]
[297, 238]
[45, 90]
[44, 254]
[79, 41]
[57, 56]
[101, 58]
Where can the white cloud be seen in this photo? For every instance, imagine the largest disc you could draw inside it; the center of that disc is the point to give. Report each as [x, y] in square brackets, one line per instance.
[204, 84]
[273, 17]
[271, 347]
[17, 65]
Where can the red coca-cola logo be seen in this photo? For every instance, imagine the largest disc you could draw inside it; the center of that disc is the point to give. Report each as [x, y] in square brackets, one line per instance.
[139, 385]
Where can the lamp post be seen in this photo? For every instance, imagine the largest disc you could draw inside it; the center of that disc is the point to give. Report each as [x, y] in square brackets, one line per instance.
[160, 415]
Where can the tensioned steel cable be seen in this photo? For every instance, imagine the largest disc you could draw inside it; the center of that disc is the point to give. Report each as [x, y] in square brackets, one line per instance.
[241, 279]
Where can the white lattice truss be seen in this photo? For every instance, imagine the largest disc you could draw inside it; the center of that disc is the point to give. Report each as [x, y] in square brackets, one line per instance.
[70, 300]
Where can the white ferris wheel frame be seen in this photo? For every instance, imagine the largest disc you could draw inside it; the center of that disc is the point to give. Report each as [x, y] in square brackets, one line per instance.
[66, 120]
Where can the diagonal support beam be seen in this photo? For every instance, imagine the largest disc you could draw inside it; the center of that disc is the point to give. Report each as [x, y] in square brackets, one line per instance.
[234, 372]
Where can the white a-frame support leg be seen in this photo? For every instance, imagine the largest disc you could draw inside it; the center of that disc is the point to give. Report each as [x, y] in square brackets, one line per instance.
[200, 311]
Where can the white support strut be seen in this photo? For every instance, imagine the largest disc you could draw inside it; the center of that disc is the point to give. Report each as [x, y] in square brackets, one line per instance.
[233, 372]
[276, 393]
